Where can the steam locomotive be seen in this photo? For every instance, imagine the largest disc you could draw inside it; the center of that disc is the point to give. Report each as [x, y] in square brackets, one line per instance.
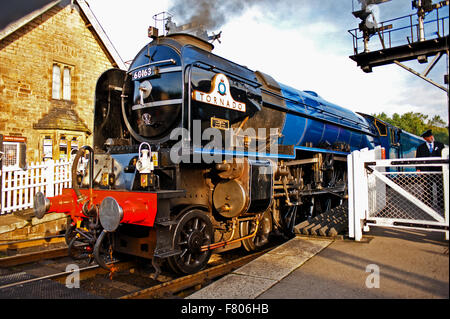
[193, 153]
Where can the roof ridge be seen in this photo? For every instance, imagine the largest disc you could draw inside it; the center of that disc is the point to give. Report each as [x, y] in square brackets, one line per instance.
[17, 24]
[86, 12]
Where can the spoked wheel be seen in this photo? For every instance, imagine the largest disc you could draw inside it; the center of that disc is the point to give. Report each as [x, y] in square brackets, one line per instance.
[193, 230]
[104, 250]
[262, 235]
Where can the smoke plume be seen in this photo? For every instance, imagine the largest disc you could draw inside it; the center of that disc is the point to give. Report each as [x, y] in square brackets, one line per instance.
[212, 14]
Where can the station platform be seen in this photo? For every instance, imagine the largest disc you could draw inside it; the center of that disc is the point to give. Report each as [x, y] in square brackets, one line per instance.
[386, 264]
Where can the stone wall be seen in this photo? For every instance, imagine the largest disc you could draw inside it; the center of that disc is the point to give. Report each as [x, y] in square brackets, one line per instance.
[63, 36]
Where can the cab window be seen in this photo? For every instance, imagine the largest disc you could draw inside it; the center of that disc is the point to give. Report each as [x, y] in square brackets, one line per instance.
[381, 127]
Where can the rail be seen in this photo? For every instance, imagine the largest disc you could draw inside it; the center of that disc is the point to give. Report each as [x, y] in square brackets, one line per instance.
[32, 257]
[85, 272]
[186, 282]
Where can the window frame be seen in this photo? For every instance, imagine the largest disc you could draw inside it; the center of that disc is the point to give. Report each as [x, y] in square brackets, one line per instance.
[56, 82]
[383, 127]
[62, 82]
[67, 84]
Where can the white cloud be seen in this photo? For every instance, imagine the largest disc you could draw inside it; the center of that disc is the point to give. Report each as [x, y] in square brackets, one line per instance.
[126, 22]
[294, 58]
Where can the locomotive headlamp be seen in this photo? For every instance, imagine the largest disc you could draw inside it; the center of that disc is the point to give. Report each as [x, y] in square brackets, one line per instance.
[110, 214]
[145, 88]
[145, 166]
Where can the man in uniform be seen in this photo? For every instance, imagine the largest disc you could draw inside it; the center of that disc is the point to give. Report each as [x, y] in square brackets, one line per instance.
[431, 148]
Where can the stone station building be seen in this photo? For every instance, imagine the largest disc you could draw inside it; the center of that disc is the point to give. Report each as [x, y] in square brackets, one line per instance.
[51, 55]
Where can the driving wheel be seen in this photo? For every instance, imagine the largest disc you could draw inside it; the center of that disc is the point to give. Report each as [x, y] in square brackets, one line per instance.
[192, 231]
[262, 235]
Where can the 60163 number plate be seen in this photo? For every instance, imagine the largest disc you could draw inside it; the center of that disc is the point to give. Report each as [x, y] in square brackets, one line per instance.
[142, 73]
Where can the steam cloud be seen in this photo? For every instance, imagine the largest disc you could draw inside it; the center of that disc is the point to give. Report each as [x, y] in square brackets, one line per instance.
[212, 14]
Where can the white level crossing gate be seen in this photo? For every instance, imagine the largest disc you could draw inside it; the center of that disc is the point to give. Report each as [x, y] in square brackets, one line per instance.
[402, 193]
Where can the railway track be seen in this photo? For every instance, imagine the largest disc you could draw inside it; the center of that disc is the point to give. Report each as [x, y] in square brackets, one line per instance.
[32, 257]
[30, 244]
[61, 277]
[25, 284]
[31, 250]
[128, 281]
[195, 280]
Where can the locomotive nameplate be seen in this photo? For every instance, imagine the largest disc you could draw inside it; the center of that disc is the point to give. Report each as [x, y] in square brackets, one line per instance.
[221, 124]
[220, 95]
[144, 73]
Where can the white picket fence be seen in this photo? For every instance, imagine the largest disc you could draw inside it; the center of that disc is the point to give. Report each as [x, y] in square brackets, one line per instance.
[19, 186]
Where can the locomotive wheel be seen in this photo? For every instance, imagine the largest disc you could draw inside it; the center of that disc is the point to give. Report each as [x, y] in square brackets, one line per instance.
[193, 230]
[262, 236]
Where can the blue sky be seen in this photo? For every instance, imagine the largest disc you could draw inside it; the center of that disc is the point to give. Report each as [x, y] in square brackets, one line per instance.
[303, 44]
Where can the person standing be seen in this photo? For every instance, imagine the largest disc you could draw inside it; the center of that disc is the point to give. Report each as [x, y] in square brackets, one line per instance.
[432, 194]
[430, 148]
